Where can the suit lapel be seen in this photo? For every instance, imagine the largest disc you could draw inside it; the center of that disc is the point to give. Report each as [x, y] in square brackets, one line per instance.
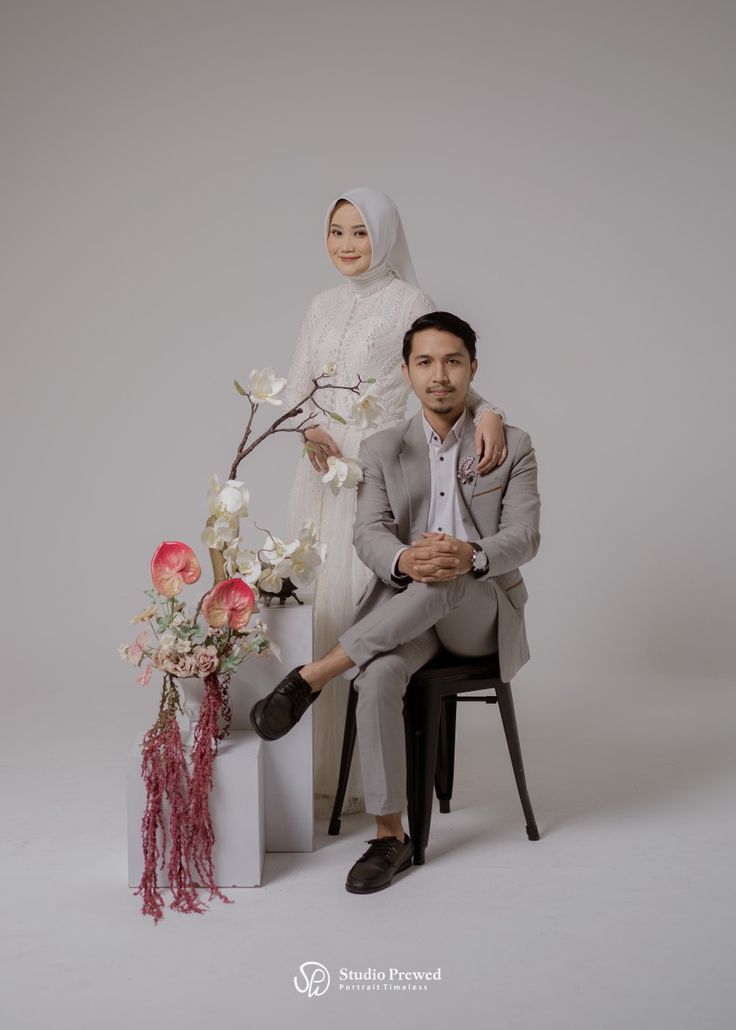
[467, 483]
[414, 461]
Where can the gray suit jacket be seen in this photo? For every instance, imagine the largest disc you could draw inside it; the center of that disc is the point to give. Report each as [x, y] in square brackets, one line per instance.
[500, 511]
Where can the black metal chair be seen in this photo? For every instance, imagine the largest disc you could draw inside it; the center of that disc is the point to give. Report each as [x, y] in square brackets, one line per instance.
[430, 711]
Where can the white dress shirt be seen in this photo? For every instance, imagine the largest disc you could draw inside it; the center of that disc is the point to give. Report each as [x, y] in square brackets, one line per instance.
[444, 500]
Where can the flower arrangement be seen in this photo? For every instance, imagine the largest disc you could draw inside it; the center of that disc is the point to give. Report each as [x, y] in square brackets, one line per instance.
[210, 642]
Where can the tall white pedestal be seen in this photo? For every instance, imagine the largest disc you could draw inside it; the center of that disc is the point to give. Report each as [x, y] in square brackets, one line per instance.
[236, 806]
[287, 763]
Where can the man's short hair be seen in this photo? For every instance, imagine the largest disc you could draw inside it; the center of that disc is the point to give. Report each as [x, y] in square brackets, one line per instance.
[440, 320]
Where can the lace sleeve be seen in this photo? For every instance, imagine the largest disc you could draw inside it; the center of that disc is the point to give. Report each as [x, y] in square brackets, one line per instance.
[301, 371]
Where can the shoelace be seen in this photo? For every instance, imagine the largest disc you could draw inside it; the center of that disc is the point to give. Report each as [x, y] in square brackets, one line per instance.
[380, 847]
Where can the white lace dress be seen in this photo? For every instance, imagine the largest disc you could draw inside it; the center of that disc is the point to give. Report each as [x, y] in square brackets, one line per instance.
[360, 328]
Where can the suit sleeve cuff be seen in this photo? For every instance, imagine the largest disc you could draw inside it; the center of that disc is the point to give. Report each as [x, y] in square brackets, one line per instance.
[396, 576]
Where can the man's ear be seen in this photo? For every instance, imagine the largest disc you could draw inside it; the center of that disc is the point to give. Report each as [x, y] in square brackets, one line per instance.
[405, 370]
[473, 367]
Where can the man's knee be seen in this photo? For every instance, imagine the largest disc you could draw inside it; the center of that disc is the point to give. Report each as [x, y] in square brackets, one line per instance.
[384, 674]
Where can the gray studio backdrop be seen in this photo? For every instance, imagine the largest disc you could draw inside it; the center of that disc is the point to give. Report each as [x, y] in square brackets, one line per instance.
[565, 174]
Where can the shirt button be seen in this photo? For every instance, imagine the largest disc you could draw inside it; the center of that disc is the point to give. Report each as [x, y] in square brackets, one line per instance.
[442, 493]
[442, 459]
[439, 528]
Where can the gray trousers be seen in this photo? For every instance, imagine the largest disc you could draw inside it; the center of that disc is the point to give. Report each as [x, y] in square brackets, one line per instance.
[388, 645]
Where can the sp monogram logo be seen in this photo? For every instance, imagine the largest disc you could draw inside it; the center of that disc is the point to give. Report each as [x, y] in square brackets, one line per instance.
[315, 979]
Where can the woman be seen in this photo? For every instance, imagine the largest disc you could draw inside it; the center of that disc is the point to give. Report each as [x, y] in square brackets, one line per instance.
[359, 327]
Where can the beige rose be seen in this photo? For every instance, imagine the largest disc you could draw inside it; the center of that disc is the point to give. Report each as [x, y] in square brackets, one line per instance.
[205, 660]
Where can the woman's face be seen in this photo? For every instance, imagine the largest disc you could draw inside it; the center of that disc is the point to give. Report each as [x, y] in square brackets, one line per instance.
[347, 241]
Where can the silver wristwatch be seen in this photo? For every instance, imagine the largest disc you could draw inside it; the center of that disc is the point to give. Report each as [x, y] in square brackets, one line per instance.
[480, 559]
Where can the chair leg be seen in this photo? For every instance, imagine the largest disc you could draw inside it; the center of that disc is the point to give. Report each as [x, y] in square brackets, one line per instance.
[346, 759]
[422, 724]
[445, 773]
[508, 717]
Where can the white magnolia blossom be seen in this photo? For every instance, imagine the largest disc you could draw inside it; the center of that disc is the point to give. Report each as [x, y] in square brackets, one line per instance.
[366, 412]
[342, 472]
[229, 501]
[219, 535]
[265, 387]
[329, 369]
[243, 560]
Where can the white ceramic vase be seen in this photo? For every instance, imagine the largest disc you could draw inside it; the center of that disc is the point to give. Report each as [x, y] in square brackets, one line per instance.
[192, 689]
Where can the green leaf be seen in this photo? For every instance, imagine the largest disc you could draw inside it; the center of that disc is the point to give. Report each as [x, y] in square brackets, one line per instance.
[239, 388]
[370, 380]
[337, 418]
[309, 446]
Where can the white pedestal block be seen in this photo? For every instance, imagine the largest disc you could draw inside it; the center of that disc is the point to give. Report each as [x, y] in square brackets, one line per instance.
[237, 809]
[287, 763]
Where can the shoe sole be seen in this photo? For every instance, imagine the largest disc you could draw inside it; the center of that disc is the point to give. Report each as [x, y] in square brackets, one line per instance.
[373, 890]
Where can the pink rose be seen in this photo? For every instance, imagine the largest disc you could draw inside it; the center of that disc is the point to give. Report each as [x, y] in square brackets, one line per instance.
[205, 660]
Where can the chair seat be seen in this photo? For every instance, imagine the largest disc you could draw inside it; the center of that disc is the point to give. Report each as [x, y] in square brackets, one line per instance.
[446, 667]
[430, 707]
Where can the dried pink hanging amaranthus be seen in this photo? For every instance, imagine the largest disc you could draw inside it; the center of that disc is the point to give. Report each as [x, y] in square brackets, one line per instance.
[227, 609]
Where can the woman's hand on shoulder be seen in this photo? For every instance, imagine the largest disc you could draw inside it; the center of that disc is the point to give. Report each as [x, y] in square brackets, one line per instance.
[324, 446]
[490, 442]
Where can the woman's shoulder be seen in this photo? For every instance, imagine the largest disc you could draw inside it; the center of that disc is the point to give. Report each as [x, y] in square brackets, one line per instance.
[414, 298]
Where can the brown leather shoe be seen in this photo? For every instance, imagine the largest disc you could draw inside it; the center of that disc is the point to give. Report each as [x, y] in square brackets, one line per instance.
[278, 712]
[376, 868]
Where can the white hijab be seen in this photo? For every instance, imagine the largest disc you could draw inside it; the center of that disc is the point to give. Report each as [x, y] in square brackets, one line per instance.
[386, 233]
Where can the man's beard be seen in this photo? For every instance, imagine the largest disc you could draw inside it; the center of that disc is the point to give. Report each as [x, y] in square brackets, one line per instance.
[443, 406]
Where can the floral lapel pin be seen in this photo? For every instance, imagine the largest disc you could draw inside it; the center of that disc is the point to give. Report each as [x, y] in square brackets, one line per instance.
[465, 471]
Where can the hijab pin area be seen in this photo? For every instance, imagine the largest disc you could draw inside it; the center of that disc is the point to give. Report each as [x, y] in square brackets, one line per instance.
[465, 471]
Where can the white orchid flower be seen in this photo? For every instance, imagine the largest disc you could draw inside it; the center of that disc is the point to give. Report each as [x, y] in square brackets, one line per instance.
[275, 551]
[343, 473]
[308, 533]
[229, 501]
[265, 387]
[366, 412]
[270, 581]
[303, 563]
[244, 560]
[220, 534]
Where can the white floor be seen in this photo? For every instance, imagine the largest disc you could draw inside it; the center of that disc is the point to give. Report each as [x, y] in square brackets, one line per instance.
[621, 916]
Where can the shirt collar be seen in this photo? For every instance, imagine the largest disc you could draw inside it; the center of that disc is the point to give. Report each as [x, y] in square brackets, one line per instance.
[457, 429]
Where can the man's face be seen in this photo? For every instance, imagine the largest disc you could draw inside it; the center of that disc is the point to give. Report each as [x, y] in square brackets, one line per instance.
[439, 371]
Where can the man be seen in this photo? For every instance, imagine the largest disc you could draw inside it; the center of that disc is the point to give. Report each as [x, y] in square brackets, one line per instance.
[445, 547]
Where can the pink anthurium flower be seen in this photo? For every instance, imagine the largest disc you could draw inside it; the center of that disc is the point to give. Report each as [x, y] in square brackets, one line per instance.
[232, 602]
[173, 565]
